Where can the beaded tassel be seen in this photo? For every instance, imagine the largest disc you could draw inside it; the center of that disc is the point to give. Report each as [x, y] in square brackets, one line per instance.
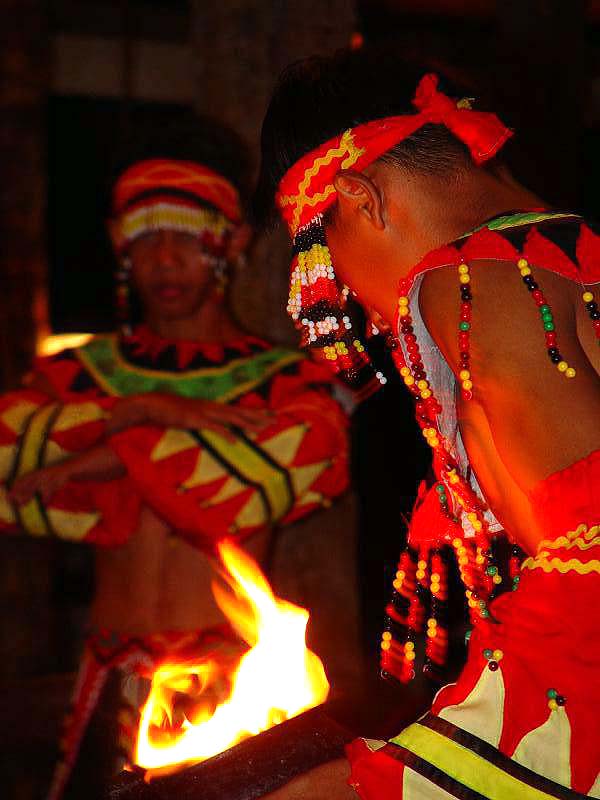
[436, 646]
[397, 641]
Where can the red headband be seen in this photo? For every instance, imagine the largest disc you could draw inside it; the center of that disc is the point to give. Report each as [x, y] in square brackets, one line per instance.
[183, 180]
[307, 188]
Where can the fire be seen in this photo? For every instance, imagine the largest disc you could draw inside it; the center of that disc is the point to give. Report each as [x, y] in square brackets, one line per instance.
[276, 679]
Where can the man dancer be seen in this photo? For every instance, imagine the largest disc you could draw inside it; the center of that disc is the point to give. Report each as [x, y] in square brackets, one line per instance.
[376, 168]
[156, 442]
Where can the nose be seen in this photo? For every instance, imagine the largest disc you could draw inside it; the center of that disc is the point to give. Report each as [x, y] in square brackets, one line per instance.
[165, 250]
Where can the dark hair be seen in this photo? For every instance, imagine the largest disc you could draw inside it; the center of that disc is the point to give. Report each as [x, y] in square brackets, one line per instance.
[189, 137]
[318, 98]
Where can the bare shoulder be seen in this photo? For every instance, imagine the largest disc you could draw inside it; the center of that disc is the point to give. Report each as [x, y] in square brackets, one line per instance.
[510, 316]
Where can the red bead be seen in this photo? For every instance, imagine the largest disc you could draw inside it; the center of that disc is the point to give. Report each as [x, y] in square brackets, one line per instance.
[410, 338]
[550, 338]
[538, 297]
[467, 394]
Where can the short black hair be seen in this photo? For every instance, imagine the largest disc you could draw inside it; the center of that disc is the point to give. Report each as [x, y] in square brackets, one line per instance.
[189, 137]
[320, 97]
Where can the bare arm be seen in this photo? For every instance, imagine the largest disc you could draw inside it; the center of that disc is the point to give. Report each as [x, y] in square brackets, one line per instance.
[97, 464]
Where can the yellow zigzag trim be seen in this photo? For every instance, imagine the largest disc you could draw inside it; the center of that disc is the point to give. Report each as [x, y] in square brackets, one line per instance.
[582, 538]
[300, 200]
[572, 565]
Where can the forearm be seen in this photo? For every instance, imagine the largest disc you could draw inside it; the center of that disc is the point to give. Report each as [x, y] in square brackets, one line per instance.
[100, 463]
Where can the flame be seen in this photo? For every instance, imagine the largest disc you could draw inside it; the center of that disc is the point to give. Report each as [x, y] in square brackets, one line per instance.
[276, 679]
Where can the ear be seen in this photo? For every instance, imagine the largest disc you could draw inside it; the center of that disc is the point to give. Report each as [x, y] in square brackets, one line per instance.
[239, 242]
[358, 194]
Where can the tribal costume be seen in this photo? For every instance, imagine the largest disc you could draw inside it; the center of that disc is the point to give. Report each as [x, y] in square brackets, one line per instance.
[205, 487]
[521, 721]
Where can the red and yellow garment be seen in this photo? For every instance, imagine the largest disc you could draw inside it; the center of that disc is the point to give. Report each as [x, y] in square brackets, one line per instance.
[204, 486]
[522, 719]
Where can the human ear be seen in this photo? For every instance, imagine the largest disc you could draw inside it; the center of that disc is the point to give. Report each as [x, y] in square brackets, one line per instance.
[239, 242]
[358, 194]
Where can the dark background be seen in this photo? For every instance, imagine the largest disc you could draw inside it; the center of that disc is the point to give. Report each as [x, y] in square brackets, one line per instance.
[78, 76]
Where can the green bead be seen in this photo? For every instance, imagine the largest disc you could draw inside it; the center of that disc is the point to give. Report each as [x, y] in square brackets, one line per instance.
[443, 499]
[491, 570]
[468, 636]
[548, 326]
[485, 613]
[552, 694]
[547, 318]
[545, 309]
[440, 488]
[487, 653]
[464, 325]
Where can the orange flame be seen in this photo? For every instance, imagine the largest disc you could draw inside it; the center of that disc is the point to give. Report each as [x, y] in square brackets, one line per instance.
[276, 679]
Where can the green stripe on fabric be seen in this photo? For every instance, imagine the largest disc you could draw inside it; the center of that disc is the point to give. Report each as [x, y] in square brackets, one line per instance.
[248, 461]
[116, 376]
[465, 766]
[518, 220]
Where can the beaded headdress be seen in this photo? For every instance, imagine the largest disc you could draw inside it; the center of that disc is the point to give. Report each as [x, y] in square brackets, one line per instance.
[165, 194]
[305, 193]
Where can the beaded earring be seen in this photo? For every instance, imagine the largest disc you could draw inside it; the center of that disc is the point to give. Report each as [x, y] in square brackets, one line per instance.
[220, 268]
[123, 296]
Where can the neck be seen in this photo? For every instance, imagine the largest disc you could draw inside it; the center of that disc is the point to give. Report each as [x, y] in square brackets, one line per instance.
[211, 323]
[467, 202]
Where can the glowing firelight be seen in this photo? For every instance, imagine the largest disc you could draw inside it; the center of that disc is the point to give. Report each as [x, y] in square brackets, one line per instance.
[276, 679]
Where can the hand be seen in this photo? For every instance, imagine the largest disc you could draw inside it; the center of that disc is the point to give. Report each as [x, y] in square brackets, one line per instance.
[172, 411]
[44, 482]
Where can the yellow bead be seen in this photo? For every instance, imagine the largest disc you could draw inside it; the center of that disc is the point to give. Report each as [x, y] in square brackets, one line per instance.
[397, 585]
[410, 656]
[403, 311]
[409, 646]
[431, 623]
[467, 385]
[386, 636]
[404, 372]
[422, 564]
[422, 385]
[409, 380]
[434, 442]
[525, 272]
[471, 516]
[403, 301]
[386, 645]
[420, 574]
[425, 394]
[497, 655]
[497, 579]
[464, 374]
[464, 279]
[570, 373]
[562, 366]
[552, 704]
[587, 297]
[454, 479]
[463, 269]
[435, 576]
[522, 263]
[463, 560]
[480, 560]
[477, 526]
[456, 542]
[432, 633]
